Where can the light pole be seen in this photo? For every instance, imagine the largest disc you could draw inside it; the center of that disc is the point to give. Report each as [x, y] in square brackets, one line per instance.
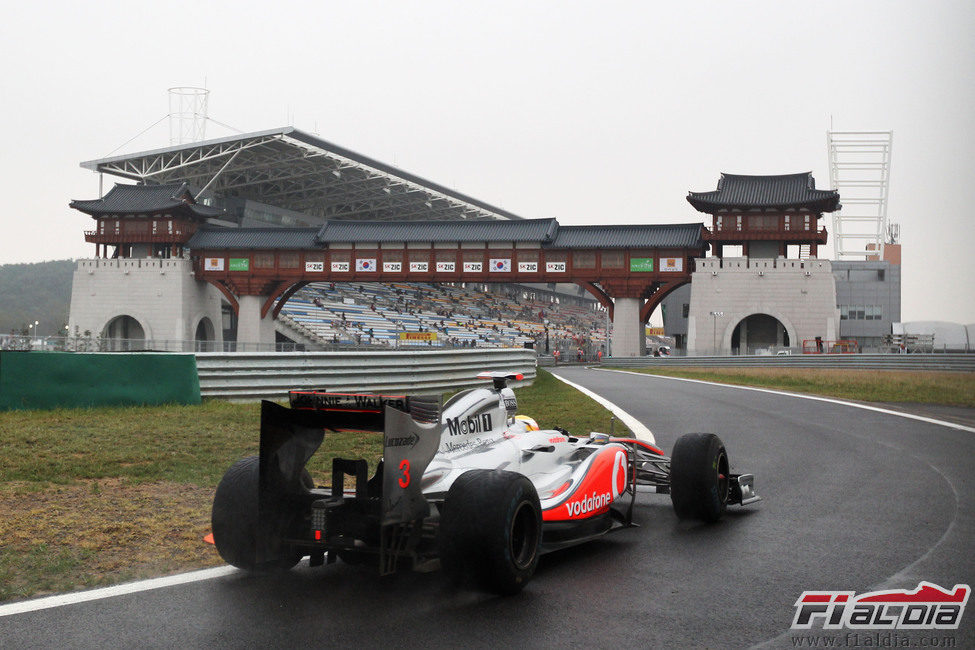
[714, 330]
[32, 326]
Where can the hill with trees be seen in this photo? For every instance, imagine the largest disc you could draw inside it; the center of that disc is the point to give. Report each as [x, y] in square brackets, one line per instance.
[35, 292]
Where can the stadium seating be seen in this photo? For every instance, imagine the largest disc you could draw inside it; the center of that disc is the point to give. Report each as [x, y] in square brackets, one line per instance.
[375, 314]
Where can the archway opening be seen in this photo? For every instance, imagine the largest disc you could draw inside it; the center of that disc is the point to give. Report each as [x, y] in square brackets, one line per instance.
[205, 335]
[124, 333]
[759, 334]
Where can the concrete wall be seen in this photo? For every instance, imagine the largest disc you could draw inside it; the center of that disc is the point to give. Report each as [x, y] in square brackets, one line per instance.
[801, 294]
[160, 294]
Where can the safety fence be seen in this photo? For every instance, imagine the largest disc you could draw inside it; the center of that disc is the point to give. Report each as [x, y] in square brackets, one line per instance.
[269, 375]
[908, 362]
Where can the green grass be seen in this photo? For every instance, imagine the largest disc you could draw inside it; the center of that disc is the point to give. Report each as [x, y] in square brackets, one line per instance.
[97, 496]
[945, 388]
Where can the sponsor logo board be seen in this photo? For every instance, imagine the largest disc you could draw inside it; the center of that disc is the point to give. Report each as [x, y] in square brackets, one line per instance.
[314, 267]
[418, 336]
[213, 264]
[446, 267]
[393, 267]
[340, 267]
[528, 267]
[240, 264]
[671, 264]
[473, 267]
[641, 264]
[419, 267]
[555, 267]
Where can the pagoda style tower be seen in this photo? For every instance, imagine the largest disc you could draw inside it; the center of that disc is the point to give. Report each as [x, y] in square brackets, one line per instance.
[141, 221]
[777, 294]
[140, 285]
[766, 214]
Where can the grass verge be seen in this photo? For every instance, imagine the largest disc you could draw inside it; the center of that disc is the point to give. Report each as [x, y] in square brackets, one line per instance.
[946, 388]
[91, 497]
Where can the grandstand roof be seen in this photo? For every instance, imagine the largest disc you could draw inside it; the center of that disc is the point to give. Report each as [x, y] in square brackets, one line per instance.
[526, 230]
[742, 192]
[142, 199]
[687, 235]
[298, 171]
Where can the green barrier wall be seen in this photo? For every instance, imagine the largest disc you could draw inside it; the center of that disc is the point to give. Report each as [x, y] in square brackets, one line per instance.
[45, 380]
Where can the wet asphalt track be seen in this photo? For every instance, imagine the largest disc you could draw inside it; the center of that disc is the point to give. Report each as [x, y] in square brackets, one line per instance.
[854, 500]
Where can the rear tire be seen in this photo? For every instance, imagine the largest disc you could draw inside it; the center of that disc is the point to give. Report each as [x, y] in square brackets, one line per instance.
[234, 519]
[491, 531]
[699, 477]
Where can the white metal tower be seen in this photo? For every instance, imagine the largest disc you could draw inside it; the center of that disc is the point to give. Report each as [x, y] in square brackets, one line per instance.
[187, 114]
[859, 168]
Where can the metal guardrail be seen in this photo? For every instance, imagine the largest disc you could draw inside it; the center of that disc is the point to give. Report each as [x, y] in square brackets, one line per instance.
[251, 376]
[910, 362]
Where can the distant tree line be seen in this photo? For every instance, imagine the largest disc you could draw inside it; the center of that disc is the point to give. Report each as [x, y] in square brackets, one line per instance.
[35, 292]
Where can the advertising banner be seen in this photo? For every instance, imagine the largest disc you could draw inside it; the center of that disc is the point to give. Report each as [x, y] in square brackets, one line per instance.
[671, 264]
[641, 264]
[418, 336]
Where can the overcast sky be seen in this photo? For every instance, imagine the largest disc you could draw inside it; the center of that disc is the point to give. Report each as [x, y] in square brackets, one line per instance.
[591, 112]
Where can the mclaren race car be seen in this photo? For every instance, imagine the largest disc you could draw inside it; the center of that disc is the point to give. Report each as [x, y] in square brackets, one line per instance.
[468, 485]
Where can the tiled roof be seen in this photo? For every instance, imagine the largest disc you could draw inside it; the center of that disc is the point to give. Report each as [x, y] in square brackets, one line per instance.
[254, 238]
[687, 235]
[524, 230]
[545, 232]
[145, 199]
[737, 191]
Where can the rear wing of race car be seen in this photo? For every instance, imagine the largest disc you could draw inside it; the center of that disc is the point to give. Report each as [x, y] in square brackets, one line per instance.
[411, 427]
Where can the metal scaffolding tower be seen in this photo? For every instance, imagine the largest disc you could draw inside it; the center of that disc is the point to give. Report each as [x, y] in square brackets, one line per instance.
[859, 168]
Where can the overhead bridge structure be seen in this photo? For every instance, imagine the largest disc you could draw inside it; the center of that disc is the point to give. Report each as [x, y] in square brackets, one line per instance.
[628, 268]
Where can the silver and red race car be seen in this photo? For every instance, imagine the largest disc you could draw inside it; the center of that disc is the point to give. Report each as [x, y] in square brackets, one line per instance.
[468, 485]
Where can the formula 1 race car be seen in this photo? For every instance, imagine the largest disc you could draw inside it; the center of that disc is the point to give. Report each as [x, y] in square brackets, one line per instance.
[468, 485]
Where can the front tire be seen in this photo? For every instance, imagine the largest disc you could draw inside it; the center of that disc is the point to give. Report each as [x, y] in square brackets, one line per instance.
[699, 477]
[234, 519]
[491, 531]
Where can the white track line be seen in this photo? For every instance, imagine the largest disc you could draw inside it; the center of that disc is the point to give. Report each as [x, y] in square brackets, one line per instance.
[637, 427]
[110, 592]
[816, 398]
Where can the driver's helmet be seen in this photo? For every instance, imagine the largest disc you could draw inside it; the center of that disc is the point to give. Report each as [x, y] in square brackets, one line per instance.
[529, 423]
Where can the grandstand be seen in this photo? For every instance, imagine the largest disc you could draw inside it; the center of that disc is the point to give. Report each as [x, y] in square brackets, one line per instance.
[379, 314]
